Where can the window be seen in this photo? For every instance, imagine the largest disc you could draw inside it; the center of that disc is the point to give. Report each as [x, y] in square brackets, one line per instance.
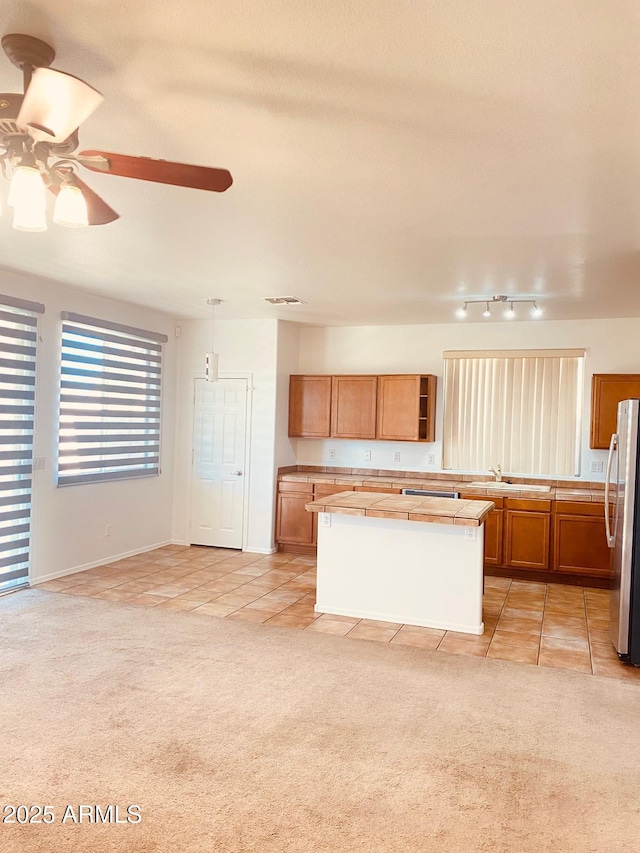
[110, 394]
[18, 341]
[519, 409]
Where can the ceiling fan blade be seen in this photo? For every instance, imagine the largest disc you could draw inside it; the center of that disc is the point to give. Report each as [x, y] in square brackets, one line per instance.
[98, 210]
[160, 171]
[55, 104]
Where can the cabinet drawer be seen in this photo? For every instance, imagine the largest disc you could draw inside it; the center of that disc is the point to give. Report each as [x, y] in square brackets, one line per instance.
[385, 490]
[474, 496]
[579, 508]
[301, 488]
[525, 504]
[323, 489]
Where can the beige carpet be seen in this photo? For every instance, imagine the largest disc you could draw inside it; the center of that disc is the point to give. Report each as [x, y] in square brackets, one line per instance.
[232, 737]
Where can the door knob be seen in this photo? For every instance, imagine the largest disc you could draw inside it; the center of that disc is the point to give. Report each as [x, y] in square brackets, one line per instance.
[238, 473]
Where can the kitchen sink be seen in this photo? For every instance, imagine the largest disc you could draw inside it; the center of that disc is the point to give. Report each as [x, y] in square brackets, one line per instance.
[507, 487]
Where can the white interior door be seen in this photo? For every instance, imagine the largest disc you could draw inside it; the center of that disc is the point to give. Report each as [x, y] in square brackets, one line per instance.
[218, 476]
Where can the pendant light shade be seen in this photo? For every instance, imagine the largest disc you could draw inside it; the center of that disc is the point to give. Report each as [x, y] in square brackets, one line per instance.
[26, 188]
[55, 104]
[211, 358]
[71, 208]
[29, 218]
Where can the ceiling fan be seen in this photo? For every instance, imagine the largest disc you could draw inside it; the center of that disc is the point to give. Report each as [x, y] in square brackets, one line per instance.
[39, 142]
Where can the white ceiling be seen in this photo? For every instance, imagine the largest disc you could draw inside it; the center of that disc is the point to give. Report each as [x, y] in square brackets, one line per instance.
[388, 158]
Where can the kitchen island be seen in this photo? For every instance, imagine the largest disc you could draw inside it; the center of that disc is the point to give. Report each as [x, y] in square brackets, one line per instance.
[400, 558]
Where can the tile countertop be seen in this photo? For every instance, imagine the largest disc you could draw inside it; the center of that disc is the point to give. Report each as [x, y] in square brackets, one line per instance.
[563, 490]
[470, 513]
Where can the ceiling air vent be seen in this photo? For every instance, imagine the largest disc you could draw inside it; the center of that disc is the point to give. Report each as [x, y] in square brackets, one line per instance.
[283, 300]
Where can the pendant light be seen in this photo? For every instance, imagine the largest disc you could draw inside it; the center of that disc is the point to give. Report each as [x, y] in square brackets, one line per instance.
[211, 358]
[71, 207]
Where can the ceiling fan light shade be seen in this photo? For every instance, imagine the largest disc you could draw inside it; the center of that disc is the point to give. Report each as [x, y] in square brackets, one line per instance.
[55, 104]
[71, 208]
[27, 189]
[29, 218]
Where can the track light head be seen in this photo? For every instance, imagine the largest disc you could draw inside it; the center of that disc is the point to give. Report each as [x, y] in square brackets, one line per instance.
[536, 311]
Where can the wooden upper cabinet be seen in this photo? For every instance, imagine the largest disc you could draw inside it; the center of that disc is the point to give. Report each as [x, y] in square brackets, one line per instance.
[353, 406]
[607, 390]
[310, 406]
[406, 407]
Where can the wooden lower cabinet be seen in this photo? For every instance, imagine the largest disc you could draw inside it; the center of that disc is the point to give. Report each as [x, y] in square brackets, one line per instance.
[540, 537]
[294, 525]
[526, 539]
[579, 540]
[493, 535]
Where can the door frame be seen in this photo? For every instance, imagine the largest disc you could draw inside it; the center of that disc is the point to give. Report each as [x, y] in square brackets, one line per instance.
[247, 448]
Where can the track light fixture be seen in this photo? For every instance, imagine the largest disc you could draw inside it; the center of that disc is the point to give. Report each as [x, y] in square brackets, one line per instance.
[508, 301]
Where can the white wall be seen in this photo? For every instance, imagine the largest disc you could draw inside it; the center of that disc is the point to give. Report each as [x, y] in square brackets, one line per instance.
[243, 346]
[611, 345]
[68, 524]
[288, 358]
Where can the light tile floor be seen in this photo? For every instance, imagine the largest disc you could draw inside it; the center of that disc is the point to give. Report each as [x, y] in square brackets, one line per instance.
[564, 627]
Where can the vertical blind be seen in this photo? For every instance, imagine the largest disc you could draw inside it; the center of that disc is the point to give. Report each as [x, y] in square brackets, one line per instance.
[519, 409]
[18, 341]
[110, 397]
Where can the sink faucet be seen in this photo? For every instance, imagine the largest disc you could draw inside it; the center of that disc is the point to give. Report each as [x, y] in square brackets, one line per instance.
[497, 472]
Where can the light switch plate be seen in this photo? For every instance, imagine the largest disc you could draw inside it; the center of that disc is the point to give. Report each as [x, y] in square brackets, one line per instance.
[396, 456]
[597, 467]
[431, 459]
[367, 456]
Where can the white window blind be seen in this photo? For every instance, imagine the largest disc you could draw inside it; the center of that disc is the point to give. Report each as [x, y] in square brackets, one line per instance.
[520, 409]
[110, 397]
[18, 341]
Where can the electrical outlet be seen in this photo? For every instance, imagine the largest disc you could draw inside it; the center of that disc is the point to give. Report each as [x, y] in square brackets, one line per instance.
[431, 459]
[471, 534]
[107, 530]
[325, 519]
[332, 454]
[367, 456]
[597, 467]
[396, 456]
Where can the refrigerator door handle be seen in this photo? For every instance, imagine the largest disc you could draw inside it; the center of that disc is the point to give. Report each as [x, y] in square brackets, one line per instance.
[613, 444]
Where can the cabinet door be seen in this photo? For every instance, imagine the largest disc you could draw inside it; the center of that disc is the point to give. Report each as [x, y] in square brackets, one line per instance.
[398, 408]
[607, 390]
[310, 406]
[295, 526]
[353, 406]
[580, 546]
[527, 539]
[493, 538]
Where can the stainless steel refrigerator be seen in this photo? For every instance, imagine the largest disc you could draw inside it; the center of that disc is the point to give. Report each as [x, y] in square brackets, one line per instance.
[622, 519]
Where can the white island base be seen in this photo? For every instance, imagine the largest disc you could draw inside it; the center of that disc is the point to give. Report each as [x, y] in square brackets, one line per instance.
[401, 571]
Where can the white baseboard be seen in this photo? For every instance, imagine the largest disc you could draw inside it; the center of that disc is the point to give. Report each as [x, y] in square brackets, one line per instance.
[244, 550]
[104, 562]
[259, 550]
